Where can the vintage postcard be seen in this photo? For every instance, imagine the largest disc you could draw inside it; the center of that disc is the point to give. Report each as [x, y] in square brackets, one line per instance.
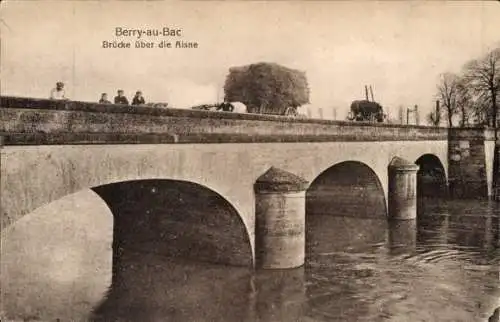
[271, 161]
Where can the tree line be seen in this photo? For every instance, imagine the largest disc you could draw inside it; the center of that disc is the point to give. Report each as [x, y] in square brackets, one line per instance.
[471, 96]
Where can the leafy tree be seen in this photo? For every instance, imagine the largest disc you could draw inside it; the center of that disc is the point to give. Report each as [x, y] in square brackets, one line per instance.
[267, 88]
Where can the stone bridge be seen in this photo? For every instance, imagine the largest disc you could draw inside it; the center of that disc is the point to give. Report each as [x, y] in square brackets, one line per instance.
[152, 165]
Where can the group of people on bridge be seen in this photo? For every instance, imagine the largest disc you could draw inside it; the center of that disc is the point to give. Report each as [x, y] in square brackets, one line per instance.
[58, 93]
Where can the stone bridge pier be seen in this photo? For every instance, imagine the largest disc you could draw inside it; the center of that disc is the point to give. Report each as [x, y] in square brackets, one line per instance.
[281, 210]
[402, 189]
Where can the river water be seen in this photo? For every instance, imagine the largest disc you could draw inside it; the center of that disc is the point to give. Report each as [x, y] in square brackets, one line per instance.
[56, 266]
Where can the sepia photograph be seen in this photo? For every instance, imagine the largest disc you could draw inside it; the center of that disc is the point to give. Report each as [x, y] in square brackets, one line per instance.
[249, 161]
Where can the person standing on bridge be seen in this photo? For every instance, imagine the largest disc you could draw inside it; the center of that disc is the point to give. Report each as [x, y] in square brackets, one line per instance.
[58, 92]
[138, 99]
[120, 98]
[104, 99]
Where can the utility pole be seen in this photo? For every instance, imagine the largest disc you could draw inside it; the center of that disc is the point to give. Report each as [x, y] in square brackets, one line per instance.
[413, 111]
[219, 94]
[401, 115]
[308, 112]
[417, 116]
[438, 113]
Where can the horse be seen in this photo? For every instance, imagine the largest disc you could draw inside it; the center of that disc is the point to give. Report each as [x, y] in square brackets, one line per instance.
[236, 107]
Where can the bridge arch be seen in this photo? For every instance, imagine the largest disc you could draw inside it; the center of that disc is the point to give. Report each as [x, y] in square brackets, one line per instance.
[23, 198]
[344, 200]
[176, 218]
[431, 177]
[36, 176]
[348, 188]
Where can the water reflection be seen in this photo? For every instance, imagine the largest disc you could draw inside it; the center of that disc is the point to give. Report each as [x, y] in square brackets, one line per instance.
[279, 295]
[444, 266]
[155, 288]
[326, 233]
[459, 224]
[402, 236]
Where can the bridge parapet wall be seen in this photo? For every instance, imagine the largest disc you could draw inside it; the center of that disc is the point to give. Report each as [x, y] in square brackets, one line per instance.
[37, 121]
[470, 162]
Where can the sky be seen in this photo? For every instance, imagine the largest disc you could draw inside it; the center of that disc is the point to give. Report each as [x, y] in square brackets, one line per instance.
[399, 48]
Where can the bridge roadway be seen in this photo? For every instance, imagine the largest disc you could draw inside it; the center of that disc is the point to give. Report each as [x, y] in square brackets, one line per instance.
[54, 148]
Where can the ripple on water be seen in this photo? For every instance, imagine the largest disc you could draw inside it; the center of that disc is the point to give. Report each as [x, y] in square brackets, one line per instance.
[434, 280]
